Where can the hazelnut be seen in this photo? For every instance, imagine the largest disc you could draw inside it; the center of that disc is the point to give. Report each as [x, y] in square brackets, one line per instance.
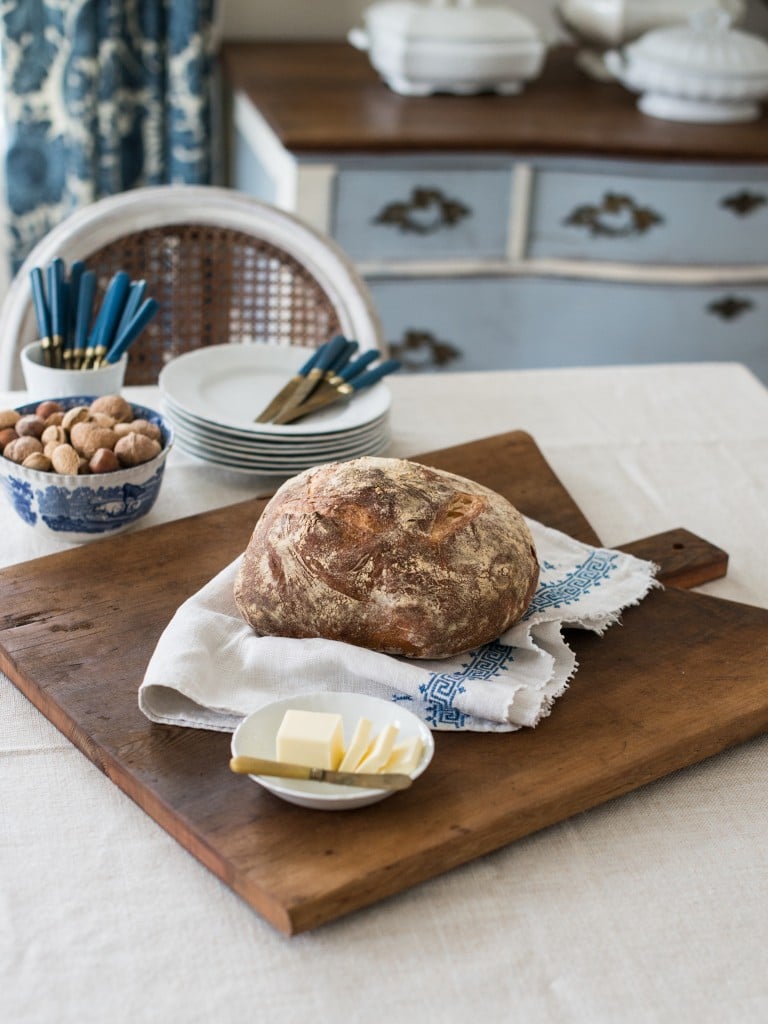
[77, 414]
[65, 460]
[133, 449]
[7, 434]
[54, 433]
[103, 460]
[45, 409]
[114, 406]
[29, 426]
[86, 438]
[37, 460]
[9, 418]
[19, 449]
[55, 418]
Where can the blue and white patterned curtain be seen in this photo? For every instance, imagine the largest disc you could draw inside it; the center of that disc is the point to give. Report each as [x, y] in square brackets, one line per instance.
[101, 96]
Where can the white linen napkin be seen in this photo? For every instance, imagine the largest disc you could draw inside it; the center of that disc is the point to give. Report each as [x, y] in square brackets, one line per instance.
[209, 669]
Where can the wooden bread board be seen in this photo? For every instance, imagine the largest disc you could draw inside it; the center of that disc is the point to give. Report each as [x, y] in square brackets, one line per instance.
[680, 680]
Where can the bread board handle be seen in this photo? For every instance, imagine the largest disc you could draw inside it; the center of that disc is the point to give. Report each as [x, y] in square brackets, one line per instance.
[684, 559]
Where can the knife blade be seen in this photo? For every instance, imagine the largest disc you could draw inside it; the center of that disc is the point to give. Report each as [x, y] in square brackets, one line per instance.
[242, 765]
[326, 359]
[288, 388]
[339, 392]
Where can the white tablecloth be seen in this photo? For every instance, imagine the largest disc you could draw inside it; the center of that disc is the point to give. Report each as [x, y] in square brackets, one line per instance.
[651, 908]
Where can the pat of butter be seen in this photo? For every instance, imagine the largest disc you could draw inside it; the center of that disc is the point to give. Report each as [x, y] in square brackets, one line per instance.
[357, 746]
[405, 756]
[378, 753]
[311, 738]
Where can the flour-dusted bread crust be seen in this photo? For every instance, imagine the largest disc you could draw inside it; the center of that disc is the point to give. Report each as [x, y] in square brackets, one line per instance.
[389, 555]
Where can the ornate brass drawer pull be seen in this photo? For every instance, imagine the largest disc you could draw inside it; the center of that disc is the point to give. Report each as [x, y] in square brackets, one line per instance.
[617, 216]
[730, 307]
[743, 203]
[419, 350]
[427, 211]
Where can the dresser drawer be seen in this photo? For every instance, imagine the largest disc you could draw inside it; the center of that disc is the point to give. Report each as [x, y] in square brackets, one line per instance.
[647, 218]
[425, 214]
[507, 322]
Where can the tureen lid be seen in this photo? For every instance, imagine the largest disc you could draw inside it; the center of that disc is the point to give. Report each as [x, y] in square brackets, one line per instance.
[708, 45]
[462, 21]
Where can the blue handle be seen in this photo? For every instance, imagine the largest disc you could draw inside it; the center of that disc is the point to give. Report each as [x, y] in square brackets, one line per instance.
[353, 369]
[350, 347]
[132, 303]
[310, 363]
[132, 330]
[76, 271]
[366, 379]
[110, 312]
[42, 312]
[56, 297]
[331, 353]
[85, 296]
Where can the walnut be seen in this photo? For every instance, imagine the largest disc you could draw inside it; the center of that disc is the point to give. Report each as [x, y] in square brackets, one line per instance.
[37, 460]
[19, 449]
[114, 406]
[77, 414]
[9, 418]
[133, 449]
[54, 433]
[86, 438]
[140, 427]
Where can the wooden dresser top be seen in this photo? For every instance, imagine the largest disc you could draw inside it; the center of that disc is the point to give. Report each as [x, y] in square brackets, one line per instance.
[325, 97]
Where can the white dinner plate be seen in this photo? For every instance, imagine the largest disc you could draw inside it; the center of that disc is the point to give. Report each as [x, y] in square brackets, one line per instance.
[255, 737]
[228, 385]
[277, 466]
[252, 444]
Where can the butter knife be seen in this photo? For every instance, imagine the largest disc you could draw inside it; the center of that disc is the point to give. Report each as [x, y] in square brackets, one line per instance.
[288, 388]
[241, 765]
[345, 390]
[327, 358]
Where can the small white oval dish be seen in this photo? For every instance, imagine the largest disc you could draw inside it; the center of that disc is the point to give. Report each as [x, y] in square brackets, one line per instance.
[255, 737]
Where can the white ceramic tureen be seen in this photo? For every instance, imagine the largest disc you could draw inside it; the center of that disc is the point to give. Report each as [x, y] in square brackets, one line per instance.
[456, 47]
[605, 24]
[705, 72]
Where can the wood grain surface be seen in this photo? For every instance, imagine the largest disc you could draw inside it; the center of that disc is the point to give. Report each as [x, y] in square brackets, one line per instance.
[680, 680]
[326, 98]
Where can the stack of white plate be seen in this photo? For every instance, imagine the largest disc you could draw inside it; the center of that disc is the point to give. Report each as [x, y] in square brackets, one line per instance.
[213, 395]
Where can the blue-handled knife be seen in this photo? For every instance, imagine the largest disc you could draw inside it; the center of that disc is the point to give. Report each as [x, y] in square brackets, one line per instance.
[56, 300]
[330, 354]
[107, 319]
[345, 390]
[85, 294]
[288, 388]
[132, 330]
[42, 313]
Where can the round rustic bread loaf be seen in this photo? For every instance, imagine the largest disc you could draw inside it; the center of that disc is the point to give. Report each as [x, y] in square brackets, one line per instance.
[389, 555]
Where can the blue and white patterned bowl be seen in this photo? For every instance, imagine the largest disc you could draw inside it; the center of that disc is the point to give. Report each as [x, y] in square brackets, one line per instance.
[83, 508]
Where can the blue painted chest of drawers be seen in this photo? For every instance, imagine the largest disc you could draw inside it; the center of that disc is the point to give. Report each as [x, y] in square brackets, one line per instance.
[560, 227]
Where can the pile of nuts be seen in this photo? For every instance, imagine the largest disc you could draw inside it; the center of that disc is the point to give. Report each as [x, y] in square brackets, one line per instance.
[97, 438]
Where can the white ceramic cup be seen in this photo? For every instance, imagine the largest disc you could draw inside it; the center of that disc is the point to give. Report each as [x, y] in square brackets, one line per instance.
[49, 382]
